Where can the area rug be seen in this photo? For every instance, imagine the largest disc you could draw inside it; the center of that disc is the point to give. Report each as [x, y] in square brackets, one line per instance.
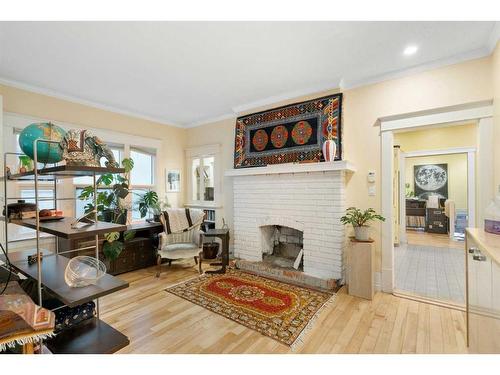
[281, 311]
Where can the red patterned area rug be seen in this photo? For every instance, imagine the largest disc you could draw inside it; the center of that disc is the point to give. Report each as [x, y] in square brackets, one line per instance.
[281, 311]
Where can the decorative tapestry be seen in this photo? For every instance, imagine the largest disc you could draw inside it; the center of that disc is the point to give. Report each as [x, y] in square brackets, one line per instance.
[292, 133]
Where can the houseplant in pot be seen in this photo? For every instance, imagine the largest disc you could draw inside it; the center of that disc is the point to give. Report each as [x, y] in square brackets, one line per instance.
[112, 206]
[359, 220]
[149, 202]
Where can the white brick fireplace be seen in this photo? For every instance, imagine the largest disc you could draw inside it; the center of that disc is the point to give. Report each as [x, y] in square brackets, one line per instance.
[306, 197]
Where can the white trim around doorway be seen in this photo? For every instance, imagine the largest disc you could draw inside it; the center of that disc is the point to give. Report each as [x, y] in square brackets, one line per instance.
[480, 112]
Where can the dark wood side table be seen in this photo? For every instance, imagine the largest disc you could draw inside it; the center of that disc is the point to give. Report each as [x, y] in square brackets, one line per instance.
[223, 234]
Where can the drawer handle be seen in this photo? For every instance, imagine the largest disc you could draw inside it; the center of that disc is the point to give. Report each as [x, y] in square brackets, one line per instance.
[472, 250]
[479, 257]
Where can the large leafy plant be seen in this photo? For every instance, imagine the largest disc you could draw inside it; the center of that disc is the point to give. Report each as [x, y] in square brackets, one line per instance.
[358, 218]
[111, 206]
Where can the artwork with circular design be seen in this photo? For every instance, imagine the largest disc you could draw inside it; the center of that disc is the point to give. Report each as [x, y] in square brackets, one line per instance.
[279, 136]
[301, 132]
[260, 140]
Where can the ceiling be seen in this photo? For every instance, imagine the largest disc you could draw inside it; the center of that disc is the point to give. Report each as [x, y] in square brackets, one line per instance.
[190, 73]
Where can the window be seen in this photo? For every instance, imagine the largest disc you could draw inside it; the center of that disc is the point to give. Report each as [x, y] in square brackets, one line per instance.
[45, 202]
[143, 172]
[203, 182]
[141, 178]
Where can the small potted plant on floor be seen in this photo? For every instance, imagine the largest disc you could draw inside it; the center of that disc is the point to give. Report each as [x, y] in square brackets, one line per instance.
[359, 220]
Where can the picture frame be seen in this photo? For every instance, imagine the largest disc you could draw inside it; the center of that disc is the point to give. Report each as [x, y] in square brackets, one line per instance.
[173, 180]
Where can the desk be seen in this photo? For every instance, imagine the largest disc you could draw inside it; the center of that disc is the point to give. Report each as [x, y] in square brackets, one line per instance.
[223, 234]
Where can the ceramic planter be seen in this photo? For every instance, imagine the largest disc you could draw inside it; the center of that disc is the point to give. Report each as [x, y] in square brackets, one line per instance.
[362, 233]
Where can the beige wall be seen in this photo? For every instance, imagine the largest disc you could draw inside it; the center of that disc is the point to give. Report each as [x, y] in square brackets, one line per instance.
[171, 154]
[437, 138]
[452, 85]
[457, 175]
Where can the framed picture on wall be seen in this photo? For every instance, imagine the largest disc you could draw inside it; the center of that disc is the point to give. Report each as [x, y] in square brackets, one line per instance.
[431, 179]
[173, 180]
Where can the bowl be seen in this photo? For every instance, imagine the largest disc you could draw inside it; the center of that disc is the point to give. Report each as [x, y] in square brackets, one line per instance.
[83, 271]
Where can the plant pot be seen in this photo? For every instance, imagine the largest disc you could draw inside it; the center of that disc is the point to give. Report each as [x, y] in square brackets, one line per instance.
[210, 250]
[362, 233]
[115, 216]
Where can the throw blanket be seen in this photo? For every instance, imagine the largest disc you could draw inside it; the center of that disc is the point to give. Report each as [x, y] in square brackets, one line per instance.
[176, 220]
[21, 321]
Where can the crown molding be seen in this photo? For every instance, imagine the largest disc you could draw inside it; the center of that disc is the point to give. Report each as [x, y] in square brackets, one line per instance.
[470, 55]
[239, 109]
[211, 120]
[88, 103]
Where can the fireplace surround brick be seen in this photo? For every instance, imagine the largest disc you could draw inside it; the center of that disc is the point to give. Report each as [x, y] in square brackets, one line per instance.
[311, 202]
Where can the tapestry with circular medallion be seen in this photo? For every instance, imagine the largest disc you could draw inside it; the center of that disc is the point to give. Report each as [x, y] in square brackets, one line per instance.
[279, 136]
[260, 140]
[301, 132]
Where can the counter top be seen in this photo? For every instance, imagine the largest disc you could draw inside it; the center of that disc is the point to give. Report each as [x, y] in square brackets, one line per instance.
[489, 242]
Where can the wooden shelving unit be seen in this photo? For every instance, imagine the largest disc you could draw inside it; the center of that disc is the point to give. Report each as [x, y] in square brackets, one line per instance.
[93, 335]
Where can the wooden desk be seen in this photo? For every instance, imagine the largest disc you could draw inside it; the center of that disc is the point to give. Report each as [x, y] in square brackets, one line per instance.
[223, 234]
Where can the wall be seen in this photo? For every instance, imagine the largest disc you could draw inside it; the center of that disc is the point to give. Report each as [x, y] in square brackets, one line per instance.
[437, 138]
[452, 85]
[457, 175]
[46, 107]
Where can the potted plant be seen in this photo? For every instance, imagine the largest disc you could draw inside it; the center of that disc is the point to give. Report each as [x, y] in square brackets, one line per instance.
[149, 202]
[359, 219]
[112, 206]
[25, 164]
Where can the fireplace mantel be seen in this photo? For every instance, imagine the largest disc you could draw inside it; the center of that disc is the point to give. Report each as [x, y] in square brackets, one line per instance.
[342, 165]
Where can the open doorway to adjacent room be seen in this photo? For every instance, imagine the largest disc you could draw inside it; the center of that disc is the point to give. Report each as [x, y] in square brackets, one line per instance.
[434, 203]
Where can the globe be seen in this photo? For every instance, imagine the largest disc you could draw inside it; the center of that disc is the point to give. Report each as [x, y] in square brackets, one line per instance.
[46, 152]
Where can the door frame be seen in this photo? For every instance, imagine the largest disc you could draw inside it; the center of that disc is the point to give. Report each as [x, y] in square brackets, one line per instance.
[482, 114]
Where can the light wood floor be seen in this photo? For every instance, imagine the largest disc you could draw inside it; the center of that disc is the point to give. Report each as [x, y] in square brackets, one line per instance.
[158, 322]
[432, 239]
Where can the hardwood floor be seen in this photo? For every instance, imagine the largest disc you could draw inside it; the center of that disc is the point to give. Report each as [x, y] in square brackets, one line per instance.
[432, 239]
[158, 322]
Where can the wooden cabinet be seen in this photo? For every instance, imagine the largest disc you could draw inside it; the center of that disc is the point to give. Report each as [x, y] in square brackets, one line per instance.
[483, 291]
[140, 252]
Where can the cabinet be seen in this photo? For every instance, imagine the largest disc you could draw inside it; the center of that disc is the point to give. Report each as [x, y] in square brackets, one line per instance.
[483, 291]
[140, 252]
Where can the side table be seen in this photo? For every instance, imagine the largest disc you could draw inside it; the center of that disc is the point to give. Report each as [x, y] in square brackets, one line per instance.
[360, 264]
[223, 234]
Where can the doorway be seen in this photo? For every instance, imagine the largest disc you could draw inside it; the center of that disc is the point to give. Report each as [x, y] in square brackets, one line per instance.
[479, 112]
[437, 199]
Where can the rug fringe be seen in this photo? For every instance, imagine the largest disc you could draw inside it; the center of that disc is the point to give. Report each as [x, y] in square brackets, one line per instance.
[25, 340]
[299, 341]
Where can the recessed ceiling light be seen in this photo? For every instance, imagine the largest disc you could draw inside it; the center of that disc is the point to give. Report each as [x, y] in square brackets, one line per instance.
[410, 50]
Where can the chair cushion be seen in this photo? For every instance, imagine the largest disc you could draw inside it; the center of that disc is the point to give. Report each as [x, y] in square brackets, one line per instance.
[179, 250]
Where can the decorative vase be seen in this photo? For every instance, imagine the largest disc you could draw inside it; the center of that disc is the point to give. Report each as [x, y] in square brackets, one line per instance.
[362, 233]
[329, 150]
